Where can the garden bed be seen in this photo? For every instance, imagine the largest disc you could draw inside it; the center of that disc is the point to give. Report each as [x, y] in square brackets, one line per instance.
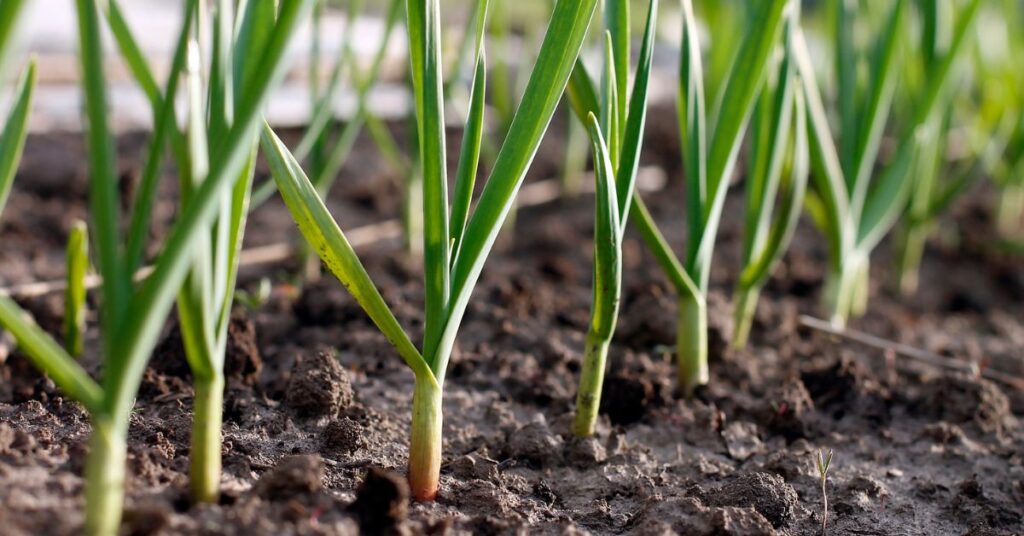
[317, 407]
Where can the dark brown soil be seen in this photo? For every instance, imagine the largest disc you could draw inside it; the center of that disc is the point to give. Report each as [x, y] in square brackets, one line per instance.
[317, 407]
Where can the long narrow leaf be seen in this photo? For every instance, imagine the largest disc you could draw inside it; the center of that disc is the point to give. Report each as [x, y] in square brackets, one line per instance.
[879, 102]
[582, 93]
[783, 227]
[77, 263]
[693, 127]
[469, 157]
[607, 247]
[846, 84]
[558, 54]
[829, 181]
[323, 233]
[164, 128]
[156, 295]
[740, 93]
[12, 140]
[195, 301]
[9, 14]
[428, 86]
[104, 207]
[633, 131]
[617, 21]
[49, 357]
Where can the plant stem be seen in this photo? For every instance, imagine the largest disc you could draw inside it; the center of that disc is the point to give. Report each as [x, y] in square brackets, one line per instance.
[104, 477]
[425, 441]
[207, 407]
[692, 343]
[824, 507]
[914, 238]
[744, 307]
[841, 290]
[861, 289]
[588, 399]
[413, 212]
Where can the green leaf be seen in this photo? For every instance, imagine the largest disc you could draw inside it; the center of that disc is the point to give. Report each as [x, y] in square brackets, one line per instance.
[164, 128]
[609, 117]
[133, 56]
[153, 301]
[770, 142]
[195, 301]
[12, 140]
[104, 206]
[49, 357]
[879, 102]
[220, 86]
[558, 55]
[784, 225]
[745, 80]
[830, 204]
[140, 68]
[582, 93]
[10, 10]
[887, 199]
[846, 63]
[77, 263]
[616, 14]
[607, 240]
[323, 105]
[662, 251]
[325, 177]
[693, 128]
[321, 231]
[424, 19]
[636, 120]
[469, 157]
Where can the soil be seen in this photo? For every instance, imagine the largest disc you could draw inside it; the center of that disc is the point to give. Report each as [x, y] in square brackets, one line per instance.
[317, 405]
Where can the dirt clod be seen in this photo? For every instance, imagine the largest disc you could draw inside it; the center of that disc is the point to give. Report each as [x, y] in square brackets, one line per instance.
[742, 440]
[343, 436]
[535, 444]
[293, 476]
[789, 407]
[587, 452]
[767, 493]
[626, 398]
[319, 385]
[381, 502]
[686, 515]
[961, 399]
[242, 355]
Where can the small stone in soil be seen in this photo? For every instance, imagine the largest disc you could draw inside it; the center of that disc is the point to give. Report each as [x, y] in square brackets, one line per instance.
[381, 502]
[294, 475]
[319, 386]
